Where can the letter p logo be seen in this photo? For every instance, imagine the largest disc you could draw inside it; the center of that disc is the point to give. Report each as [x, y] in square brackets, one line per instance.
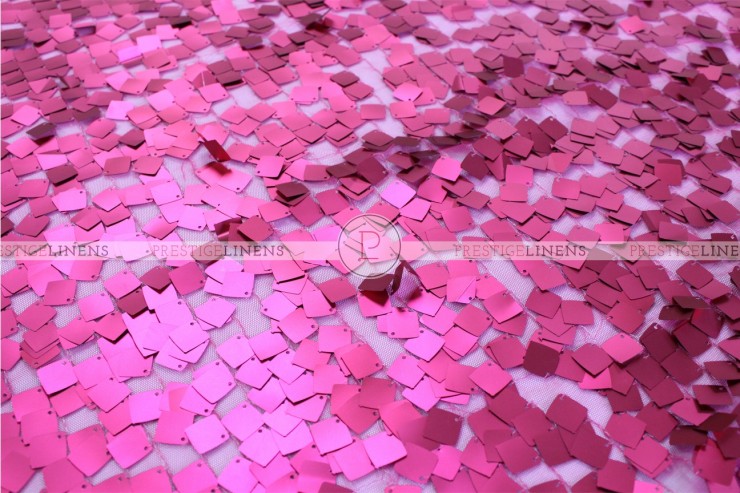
[366, 237]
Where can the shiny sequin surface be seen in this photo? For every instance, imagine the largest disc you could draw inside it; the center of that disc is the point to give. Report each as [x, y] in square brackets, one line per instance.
[147, 135]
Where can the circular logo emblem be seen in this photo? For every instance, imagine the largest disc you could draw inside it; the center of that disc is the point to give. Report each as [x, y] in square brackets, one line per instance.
[370, 246]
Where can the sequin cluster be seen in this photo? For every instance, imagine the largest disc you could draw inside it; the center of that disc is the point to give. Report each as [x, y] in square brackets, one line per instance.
[579, 121]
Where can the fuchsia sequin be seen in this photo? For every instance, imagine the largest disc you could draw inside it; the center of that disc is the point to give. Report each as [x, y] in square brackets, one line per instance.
[143, 127]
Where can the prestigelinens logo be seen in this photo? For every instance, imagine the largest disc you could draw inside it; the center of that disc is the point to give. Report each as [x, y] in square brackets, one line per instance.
[369, 245]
